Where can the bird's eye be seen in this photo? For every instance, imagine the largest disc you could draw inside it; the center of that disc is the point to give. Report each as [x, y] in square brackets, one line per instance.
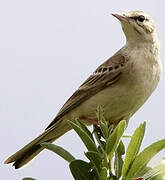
[141, 18]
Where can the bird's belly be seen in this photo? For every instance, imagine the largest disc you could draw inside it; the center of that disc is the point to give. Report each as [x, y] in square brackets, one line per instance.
[119, 101]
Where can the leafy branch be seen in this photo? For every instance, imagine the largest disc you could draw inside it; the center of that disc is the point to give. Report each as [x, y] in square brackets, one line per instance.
[107, 158]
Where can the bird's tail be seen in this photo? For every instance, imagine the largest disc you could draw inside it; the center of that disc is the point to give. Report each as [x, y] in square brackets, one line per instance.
[32, 149]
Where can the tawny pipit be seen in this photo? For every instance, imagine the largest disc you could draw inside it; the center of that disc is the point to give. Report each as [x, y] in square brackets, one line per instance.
[120, 85]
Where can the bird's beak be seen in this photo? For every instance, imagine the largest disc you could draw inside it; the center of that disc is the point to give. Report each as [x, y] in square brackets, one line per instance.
[120, 18]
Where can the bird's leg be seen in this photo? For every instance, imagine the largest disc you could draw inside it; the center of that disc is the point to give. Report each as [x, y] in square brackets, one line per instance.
[97, 130]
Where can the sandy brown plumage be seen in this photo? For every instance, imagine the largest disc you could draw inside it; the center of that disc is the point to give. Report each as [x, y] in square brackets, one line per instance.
[121, 85]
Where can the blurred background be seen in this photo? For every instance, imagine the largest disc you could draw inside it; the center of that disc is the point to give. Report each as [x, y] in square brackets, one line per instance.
[47, 49]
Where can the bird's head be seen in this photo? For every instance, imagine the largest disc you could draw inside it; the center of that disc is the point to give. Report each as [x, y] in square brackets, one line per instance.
[137, 26]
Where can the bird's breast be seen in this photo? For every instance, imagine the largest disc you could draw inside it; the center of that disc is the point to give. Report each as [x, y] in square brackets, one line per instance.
[144, 71]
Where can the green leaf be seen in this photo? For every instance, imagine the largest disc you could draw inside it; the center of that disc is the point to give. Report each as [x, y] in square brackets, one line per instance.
[104, 129]
[59, 150]
[143, 171]
[103, 124]
[114, 139]
[84, 137]
[96, 160]
[100, 114]
[155, 172]
[144, 157]
[28, 178]
[85, 129]
[81, 170]
[105, 160]
[157, 177]
[121, 148]
[118, 159]
[133, 148]
[118, 165]
[104, 173]
[110, 129]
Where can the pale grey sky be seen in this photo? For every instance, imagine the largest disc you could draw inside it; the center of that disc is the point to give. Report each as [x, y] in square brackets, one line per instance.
[47, 49]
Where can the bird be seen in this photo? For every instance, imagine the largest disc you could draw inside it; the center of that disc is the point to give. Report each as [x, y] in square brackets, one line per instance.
[121, 85]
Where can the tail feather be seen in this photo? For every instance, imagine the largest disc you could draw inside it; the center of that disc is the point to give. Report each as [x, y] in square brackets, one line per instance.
[28, 152]
[27, 156]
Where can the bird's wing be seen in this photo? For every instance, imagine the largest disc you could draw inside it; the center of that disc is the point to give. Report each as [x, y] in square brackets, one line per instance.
[104, 76]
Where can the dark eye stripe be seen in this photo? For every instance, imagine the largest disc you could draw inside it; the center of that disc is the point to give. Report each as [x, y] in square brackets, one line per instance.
[135, 17]
[140, 18]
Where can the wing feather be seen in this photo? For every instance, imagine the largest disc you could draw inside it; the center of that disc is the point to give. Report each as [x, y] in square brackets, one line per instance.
[104, 76]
